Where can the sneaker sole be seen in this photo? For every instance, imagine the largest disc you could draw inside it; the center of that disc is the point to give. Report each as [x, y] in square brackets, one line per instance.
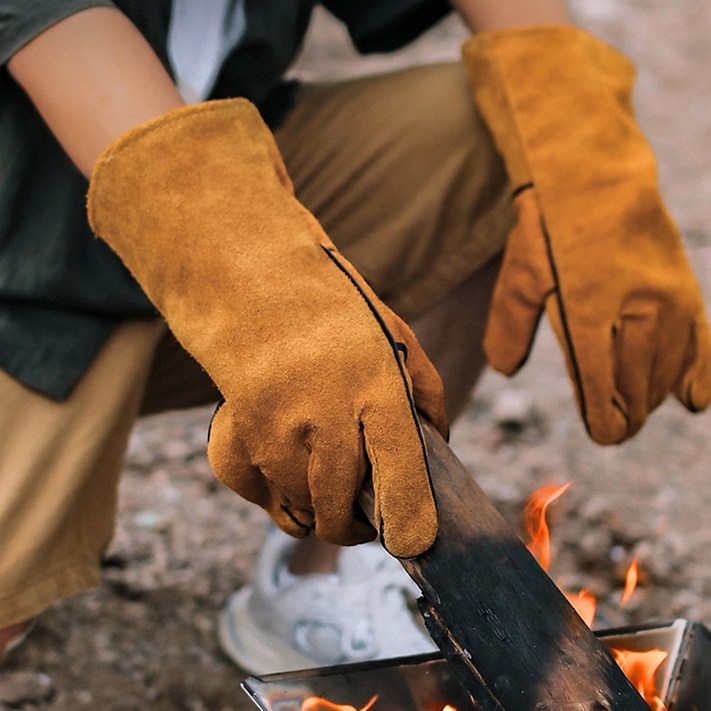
[252, 648]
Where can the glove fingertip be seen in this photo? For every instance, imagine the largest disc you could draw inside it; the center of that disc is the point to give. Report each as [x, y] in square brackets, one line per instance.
[288, 522]
[410, 541]
[437, 416]
[505, 354]
[405, 510]
[608, 425]
[695, 394]
[694, 390]
[221, 453]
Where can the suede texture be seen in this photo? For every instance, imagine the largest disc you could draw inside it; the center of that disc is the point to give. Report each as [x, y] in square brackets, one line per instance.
[594, 245]
[322, 382]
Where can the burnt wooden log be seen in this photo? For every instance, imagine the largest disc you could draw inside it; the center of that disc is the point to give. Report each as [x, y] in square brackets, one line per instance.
[507, 630]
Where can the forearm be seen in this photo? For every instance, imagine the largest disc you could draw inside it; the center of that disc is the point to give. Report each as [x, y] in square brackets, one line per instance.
[92, 77]
[483, 15]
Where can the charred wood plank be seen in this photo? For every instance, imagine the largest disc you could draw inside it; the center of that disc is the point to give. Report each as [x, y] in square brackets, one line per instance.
[508, 631]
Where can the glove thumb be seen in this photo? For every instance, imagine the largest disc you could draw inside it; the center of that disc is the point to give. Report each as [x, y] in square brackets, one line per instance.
[694, 388]
[525, 282]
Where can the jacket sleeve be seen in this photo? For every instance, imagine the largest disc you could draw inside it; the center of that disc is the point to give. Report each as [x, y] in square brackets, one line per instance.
[21, 21]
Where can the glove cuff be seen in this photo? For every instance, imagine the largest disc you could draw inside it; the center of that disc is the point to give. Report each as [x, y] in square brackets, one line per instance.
[541, 70]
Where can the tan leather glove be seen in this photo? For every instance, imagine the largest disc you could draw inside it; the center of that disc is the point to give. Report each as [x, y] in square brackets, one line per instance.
[314, 369]
[594, 244]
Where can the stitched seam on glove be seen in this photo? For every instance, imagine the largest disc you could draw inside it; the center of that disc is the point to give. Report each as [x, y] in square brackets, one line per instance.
[393, 344]
[567, 334]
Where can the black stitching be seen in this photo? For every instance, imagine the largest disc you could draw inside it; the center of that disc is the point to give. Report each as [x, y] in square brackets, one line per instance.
[393, 344]
[565, 325]
[617, 405]
[521, 188]
[296, 520]
[212, 419]
[616, 332]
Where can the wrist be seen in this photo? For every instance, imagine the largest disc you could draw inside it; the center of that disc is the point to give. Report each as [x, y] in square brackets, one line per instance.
[487, 16]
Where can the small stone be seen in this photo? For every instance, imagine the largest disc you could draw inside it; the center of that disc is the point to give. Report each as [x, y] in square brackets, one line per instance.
[512, 409]
[618, 554]
[21, 687]
[596, 544]
[147, 519]
[595, 508]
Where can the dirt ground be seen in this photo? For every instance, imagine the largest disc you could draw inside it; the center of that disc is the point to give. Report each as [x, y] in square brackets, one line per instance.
[145, 639]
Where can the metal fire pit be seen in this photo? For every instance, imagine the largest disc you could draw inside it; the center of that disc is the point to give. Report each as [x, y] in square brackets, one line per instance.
[423, 682]
[427, 683]
[684, 678]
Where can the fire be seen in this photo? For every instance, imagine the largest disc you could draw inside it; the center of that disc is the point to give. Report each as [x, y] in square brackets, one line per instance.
[584, 603]
[316, 703]
[535, 520]
[630, 582]
[534, 515]
[639, 667]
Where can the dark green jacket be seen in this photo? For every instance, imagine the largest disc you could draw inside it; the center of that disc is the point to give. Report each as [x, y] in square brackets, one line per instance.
[62, 291]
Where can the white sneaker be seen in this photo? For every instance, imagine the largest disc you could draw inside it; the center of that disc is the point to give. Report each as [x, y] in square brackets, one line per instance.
[283, 622]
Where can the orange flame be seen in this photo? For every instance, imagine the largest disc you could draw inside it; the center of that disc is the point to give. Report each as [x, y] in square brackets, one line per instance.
[316, 703]
[535, 520]
[584, 603]
[640, 667]
[630, 582]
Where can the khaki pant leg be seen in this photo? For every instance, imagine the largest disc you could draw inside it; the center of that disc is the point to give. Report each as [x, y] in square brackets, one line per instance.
[59, 470]
[402, 173]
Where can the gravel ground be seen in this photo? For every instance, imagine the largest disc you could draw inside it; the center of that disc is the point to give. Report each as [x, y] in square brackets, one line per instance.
[145, 638]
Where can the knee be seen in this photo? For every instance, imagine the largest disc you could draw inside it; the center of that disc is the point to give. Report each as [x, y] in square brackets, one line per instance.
[446, 127]
[446, 112]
